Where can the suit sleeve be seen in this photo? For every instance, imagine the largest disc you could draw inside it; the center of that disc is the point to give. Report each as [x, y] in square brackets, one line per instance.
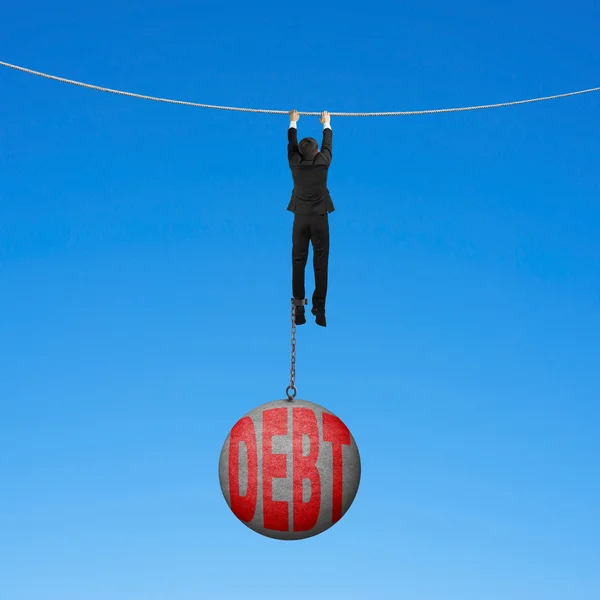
[292, 143]
[326, 144]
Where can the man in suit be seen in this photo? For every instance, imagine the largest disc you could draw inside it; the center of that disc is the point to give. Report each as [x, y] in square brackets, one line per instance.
[310, 203]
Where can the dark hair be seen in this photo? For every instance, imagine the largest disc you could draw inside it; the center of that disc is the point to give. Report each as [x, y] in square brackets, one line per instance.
[308, 147]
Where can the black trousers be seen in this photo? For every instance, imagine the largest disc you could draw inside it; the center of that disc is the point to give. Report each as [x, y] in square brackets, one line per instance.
[306, 229]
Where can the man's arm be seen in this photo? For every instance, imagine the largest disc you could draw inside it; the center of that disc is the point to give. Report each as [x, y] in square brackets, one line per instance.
[293, 135]
[292, 140]
[326, 144]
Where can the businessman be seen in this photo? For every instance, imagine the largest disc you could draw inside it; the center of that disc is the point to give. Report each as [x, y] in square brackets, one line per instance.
[310, 203]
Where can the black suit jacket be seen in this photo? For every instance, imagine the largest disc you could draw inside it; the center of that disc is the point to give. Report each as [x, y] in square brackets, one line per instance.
[310, 195]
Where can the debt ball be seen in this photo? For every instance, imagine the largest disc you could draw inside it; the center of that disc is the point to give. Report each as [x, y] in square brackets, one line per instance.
[289, 470]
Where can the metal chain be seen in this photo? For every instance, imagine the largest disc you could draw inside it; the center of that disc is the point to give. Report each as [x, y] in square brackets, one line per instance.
[291, 390]
[282, 112]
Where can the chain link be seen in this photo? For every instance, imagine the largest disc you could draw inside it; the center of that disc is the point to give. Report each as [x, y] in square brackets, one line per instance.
[291, 390]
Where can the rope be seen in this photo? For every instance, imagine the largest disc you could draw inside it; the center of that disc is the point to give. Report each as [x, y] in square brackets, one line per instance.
[281, 112]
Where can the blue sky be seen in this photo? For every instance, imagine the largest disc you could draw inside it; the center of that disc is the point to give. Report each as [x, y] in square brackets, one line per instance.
[145, 281]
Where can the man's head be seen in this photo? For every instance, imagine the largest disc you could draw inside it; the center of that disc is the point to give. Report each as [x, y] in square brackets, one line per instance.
[308, 148]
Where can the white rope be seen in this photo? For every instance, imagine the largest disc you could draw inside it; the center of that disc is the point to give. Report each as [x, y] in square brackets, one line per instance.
[281, 112]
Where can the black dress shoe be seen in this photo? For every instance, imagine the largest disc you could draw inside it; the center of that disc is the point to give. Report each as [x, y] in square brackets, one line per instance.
[319, 317]
[300, 316]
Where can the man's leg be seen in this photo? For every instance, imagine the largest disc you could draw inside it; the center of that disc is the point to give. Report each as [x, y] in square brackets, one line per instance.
[300, 242]
[320, 241]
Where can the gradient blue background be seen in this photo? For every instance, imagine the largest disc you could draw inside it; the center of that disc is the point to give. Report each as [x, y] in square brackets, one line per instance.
[145, 283]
